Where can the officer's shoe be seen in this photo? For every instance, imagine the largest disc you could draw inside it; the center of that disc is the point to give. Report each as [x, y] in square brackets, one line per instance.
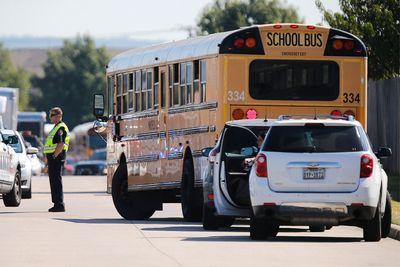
[57, 208]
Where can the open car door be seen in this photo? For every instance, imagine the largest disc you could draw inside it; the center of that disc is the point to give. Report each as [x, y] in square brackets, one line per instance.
[231, 184]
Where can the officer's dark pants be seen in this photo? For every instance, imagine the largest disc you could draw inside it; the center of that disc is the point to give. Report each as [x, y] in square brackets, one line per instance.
[55, 168]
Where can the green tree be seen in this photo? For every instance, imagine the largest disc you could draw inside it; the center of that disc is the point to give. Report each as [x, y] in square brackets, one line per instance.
[14, 77]
[377, 24]
[225, 15]
[71, 76]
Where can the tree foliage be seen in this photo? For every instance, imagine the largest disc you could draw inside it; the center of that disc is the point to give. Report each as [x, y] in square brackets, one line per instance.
[377, 24]
[71, 76]
[10, 76]
[225, 15]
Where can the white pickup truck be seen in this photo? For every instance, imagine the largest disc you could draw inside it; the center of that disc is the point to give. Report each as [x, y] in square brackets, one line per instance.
[10, 174]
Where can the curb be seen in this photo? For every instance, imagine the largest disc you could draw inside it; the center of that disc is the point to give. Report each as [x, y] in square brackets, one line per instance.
[395, 232]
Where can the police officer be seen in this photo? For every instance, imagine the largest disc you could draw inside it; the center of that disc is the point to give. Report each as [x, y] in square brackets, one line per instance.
[55, 149]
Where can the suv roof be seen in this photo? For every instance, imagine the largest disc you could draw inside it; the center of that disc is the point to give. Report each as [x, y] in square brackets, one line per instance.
[252, 122]
[290, 120]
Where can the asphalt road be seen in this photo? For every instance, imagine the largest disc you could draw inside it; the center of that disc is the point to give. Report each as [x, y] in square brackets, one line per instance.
[91, 233]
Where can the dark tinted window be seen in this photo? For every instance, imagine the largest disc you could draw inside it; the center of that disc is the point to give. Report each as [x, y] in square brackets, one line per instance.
[17, 147]
[315, 138]
[294, 80]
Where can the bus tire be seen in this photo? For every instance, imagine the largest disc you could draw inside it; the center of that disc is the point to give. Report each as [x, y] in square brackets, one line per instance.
[190, 201]
[130, 205]
[13, 198]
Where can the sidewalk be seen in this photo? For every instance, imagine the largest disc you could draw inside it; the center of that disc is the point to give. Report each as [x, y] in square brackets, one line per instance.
[395, 232]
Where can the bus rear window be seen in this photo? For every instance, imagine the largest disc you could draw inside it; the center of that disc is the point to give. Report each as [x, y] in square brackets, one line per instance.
[294, 80]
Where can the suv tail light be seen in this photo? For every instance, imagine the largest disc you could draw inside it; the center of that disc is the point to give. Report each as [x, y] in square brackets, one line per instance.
[367, 166]
[261, 165]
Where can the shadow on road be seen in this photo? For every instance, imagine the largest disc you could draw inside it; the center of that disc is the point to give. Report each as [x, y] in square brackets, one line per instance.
[292, 239]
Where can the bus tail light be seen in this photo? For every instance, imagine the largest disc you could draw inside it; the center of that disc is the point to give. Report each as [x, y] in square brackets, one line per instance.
[349, 44]
[367, 166]
[251, 42]
[277, 26]
[310, 27]
[337, 44]
[261, 165]
[237, 114]
[251, 114]
[294, 26]
[336, 113]
[238, 43]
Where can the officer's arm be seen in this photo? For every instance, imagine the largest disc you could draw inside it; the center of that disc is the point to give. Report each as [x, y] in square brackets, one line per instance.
[59, 149]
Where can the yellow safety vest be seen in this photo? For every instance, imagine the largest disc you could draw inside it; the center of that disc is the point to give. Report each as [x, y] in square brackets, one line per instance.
[49, 147]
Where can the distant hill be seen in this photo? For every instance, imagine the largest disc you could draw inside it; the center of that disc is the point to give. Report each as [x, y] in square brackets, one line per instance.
[32, 59]
[31, 52]
[121, 42]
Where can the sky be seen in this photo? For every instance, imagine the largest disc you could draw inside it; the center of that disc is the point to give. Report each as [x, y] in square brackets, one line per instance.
[144, 19]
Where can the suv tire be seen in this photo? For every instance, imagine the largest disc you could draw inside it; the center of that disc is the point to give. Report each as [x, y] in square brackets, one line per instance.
[387, 217]
[210, 221]
[13, 198]
[372, 228]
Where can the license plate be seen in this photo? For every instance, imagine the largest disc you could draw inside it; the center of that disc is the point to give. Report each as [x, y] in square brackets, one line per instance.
[313, 173]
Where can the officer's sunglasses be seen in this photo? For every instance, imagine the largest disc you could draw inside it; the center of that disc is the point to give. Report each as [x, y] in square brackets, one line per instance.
[54, 114]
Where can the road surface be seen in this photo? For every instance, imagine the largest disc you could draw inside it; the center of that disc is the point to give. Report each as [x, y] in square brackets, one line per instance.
[91, 233]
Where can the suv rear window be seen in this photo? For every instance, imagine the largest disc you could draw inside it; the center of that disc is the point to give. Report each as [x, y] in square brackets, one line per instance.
[318, 139]
[294, 80]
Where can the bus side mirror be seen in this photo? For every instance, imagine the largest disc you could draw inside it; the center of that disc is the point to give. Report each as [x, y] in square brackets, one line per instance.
[98, 105]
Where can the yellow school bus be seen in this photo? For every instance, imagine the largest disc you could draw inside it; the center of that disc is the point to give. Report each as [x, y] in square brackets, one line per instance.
[167, 102]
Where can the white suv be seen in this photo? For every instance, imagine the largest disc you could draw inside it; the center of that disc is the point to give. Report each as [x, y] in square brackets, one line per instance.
[10, 176]
[226, 181]
[319, 173]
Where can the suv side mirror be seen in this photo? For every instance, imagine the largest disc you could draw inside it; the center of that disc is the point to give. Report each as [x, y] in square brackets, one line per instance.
[98, 105]
[206, 151]
[383, 152]
[32, 150]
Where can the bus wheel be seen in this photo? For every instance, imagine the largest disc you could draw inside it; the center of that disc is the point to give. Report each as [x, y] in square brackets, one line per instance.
[191, 200]
[130, 205]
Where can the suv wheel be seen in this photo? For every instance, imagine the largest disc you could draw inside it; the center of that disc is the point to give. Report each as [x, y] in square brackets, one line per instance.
[387, 217]
[372, 228]
[261, 228]
[210, 221]
[13, 198]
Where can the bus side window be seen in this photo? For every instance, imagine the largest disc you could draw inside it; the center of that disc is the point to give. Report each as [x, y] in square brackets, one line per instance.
[170, 86]
[189, 80]
[156, 88]
[176, 85]
[196, 84]
[144, 90]
[119, 93]
[130, 92]
[137, 91]
[125, 94]
[149, 88]
[183, 83]
[110, 95]
[203, 79]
